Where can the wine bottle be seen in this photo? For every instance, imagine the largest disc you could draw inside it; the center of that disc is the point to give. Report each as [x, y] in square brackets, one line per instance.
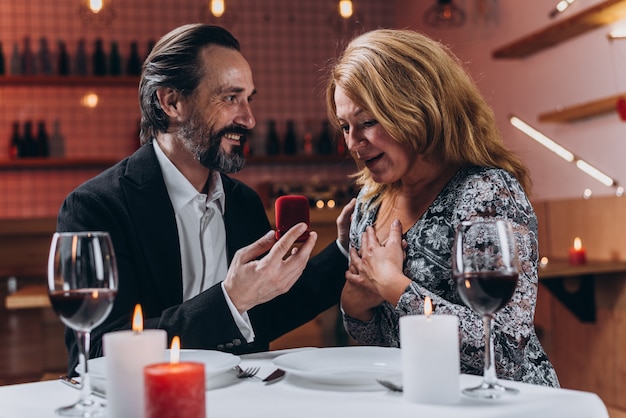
[15, 141]
[44, 62]
[28, 60]
[272, 142]
[2, 64]
[291, 141]
[43, 149]
[57, 142]
[16, 60]
[99, 59]
[324, 141]
[63, 59]
[28, 148]
[115, 61]
[133, 66]
[80, 59]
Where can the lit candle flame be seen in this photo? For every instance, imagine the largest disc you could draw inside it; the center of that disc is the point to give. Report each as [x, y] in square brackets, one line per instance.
[137, 319]
[577, 244]
[94, 294]
[428, 306]
[175, 350]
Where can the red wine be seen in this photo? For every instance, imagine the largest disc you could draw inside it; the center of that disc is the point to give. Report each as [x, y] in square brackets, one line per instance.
[82, 309]
[486, 292]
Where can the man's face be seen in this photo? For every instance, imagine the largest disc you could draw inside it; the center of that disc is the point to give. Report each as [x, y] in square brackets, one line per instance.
[219, 114]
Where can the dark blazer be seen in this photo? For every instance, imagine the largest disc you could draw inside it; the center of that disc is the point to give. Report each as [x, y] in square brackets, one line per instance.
[130, 201]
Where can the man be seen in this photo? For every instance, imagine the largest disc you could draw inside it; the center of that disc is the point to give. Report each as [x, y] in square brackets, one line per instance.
[192, 244]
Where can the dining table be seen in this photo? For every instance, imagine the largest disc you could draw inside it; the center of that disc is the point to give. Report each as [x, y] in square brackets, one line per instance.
[299, 395]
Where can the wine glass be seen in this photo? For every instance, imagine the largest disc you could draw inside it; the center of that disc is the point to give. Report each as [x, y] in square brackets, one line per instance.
[486, 269]
[82, 284]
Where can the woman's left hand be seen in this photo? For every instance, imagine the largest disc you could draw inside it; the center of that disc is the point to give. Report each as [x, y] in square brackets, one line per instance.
[381, 263]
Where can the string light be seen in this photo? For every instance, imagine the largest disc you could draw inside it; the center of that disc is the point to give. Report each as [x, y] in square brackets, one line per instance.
[560, 7]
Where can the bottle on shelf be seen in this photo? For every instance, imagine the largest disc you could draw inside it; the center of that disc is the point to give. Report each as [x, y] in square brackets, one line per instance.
[42, 140]
[151, 44]
[133, 66]
[28, 59]
[44, 60]
[325, 141]
[2, 64]
[115, 61]
[16, 60]
[99, 59]
[80, 59]
[28, 148]
[63, 59]
[15, 141]
[57, 142]
[291, 140]
[272, 142]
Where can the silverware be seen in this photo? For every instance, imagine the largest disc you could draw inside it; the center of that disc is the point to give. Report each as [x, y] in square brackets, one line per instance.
[394, 387]
[248, 372]
[73, 383]
[274, 377]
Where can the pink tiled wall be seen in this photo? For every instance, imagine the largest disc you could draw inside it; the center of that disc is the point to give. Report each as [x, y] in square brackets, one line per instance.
[288, 44]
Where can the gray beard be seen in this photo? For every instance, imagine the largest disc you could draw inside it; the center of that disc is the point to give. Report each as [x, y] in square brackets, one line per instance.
[213, 157]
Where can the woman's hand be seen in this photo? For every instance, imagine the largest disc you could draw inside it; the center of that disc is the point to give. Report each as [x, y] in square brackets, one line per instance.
[379, 265]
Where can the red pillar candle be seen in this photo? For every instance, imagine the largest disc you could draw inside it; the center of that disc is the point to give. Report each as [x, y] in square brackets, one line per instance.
[175, 389]
[577, 254]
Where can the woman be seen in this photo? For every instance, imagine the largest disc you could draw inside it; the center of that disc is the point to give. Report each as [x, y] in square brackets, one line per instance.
[429, 156]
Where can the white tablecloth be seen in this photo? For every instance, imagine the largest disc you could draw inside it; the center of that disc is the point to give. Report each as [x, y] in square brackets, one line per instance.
[293, 397]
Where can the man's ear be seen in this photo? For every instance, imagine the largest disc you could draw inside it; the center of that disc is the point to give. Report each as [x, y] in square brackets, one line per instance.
[169, 101]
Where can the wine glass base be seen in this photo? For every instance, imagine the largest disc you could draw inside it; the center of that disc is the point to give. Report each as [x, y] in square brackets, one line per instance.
[90, 407]
[489, 391]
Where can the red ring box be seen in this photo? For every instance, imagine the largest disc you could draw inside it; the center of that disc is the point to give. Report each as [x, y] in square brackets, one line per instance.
[290, 210]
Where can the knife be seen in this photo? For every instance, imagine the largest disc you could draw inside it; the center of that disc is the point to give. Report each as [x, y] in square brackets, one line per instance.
[274, 377]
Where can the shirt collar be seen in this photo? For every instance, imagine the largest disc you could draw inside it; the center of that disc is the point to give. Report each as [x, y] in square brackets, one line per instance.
[180, 190]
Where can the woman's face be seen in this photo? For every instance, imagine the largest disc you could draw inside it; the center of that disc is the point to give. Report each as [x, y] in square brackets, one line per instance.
[387, 160]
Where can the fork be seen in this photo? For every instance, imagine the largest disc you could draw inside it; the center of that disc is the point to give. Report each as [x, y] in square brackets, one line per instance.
[248, 372]
[390, 385]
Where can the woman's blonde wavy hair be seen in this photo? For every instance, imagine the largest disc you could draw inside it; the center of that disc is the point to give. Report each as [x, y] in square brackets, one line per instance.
[421, 95]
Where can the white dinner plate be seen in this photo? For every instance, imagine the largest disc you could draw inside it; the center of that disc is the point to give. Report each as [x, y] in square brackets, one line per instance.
[354, 366]
[215, 362]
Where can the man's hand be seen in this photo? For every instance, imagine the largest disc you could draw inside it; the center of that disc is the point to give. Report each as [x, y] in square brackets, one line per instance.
[250, 282]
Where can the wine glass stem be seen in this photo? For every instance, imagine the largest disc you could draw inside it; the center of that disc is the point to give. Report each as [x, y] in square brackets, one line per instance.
[490, 368]
[84, 342]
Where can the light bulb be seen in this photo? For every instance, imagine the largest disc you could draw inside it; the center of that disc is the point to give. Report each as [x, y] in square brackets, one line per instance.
[96, 5]
[218, 8]
[345, 8]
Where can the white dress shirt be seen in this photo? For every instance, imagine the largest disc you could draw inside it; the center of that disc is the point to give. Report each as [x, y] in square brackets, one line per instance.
[202, 235]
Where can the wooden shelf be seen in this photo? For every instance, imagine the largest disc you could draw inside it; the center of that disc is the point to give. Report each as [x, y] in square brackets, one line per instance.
[69, 163]
[69, 81]
[582, 111]
[56, 163]
[575, 286]
[603, 13]
[298, 160]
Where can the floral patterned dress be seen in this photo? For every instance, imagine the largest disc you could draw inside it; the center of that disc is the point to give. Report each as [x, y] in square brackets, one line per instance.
[473, 193]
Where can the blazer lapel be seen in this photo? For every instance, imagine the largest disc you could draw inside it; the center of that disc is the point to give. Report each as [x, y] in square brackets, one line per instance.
[153, 216]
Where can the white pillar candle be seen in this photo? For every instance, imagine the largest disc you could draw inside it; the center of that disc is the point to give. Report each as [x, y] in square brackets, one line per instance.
[430, 358]
[126, 353]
